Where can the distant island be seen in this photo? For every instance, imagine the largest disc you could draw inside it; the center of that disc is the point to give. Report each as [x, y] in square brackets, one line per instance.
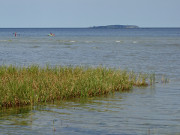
[116, 27]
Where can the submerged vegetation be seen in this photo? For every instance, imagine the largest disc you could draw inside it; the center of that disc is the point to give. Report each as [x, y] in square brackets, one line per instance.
[31, 85]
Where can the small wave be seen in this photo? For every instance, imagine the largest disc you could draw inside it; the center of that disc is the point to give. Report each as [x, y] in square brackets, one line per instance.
[118, 41]
[36, 46]
[6, 40]
[134, 42]
[3, 40]
[95, 47]
[67, 43]
[72, 41]
[90, 41]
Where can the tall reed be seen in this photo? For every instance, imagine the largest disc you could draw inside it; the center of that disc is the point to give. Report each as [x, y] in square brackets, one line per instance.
[31, 85]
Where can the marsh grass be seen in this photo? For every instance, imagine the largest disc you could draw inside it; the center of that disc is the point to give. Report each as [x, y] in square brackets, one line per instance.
[31, 85]
[164, 79]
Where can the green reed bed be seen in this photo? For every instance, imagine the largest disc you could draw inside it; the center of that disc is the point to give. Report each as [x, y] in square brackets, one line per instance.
[32, 85]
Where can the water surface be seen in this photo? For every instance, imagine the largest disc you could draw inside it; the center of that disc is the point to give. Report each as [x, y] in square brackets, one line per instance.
[151, 110]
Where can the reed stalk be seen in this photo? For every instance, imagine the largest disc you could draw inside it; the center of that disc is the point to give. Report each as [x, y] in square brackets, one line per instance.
[31, 85]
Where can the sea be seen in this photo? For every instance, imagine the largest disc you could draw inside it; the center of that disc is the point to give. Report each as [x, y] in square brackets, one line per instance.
[152, 110]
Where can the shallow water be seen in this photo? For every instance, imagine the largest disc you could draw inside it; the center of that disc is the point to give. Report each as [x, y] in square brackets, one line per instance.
[152, 110]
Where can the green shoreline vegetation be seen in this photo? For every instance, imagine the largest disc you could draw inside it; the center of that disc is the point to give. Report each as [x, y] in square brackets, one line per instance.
[20, 86]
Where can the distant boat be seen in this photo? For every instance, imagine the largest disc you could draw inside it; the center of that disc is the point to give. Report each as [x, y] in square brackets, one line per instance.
[51, 34]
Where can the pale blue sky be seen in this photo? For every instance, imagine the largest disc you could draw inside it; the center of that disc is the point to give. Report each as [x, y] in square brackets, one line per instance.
[86, 13]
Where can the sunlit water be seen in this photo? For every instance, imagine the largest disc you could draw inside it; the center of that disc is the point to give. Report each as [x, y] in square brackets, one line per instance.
[152, 110]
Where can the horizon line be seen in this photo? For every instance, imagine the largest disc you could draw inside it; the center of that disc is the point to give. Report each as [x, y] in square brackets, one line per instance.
[94, 27]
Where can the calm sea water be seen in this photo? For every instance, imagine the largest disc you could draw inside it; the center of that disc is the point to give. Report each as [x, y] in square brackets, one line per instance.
[154, 110]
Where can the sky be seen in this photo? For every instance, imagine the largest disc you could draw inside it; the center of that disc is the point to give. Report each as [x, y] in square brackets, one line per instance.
[88, 13]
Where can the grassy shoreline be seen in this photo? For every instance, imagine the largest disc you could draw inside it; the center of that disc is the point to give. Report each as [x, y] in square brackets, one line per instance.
[31, 85]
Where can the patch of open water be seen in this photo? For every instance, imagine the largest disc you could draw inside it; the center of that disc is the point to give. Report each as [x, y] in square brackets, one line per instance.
[147, 111]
